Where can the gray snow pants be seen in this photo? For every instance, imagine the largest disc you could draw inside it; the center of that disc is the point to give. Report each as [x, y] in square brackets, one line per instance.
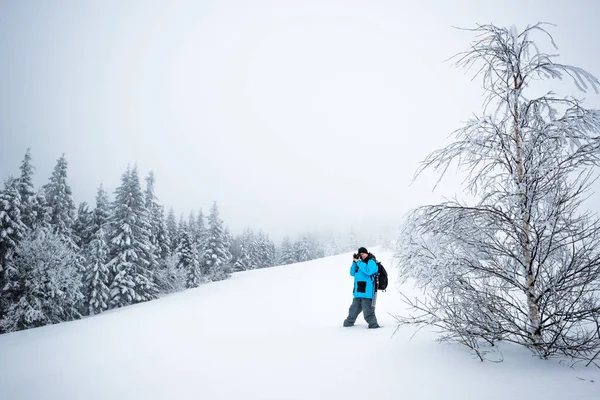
[364, 305]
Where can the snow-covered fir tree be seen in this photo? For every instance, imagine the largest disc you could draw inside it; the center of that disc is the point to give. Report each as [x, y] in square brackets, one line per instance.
[330, 246]
[287, 255]
[252, 251]
[27, 192]
[83, 226]
[266, 251]
[302, 249]
[162, 238]
[129, 243]
[12, 231]
[228, 240]
[101, 213]
[12, 227]
[188, 260]
[173, 231]
[192, 226]
[41, 210]
[242, 246]
[315, 246]
[216, 255]
[44, 283]
[97, 276]
[352, 244]
[201, 230]
[182, 227]
[59, 199]
[159, 237]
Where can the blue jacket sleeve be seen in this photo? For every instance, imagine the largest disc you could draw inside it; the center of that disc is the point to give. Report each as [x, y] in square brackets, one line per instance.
[353, 268]
[368, 268]
[372, 267]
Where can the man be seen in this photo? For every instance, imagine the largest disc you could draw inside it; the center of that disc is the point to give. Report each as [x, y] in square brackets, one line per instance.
[362, 269]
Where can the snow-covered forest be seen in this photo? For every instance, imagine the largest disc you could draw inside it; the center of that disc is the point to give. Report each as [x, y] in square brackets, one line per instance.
[59, 261]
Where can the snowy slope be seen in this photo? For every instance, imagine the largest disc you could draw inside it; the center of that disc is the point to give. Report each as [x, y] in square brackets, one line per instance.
[266, 334]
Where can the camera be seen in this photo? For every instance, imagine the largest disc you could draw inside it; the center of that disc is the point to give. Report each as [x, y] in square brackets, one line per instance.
[355, 255]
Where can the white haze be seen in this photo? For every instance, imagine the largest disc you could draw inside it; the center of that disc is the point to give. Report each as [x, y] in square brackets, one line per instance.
[293, 115]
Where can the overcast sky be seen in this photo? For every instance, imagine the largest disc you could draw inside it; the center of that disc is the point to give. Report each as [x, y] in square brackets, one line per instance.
[292, 115]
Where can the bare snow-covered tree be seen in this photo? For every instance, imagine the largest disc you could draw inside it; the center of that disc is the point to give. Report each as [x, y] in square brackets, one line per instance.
[44, 282]
[171, 278]
[521, 264]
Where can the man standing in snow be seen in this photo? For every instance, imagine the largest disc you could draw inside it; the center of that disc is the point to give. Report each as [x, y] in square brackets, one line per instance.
[363, 268]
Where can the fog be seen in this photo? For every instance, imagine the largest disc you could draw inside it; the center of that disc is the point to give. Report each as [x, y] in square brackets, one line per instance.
[293, 115]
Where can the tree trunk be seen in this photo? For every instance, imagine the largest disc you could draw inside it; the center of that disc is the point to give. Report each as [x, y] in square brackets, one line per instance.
[533, 307]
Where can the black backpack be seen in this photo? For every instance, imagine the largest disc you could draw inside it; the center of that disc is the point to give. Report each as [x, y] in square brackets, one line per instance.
[382, 277]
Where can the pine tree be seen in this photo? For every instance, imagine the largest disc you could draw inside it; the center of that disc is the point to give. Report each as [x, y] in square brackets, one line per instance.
[302, 249]
[188, 260]
[287, 254]
[227, 242]
[129, 242]
[252, 249]
[331, 247]
[12, 231]
[244, 246]
[192, 226]
[201, 229]
[101, 213]
[161, 234]
[172, 230]
[42, 211]
[83, 226]
[59, 199]
[316, 248]
[352, 242]
[27, 192]
[43, 281]
[156, 226]
[270, 252]
[216, 256]
[240, 263]
[265, 255]
[181, 228]
[97, 275]
[12, 228]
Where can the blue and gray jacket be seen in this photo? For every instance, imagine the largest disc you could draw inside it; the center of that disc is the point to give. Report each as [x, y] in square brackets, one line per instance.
[363, 277]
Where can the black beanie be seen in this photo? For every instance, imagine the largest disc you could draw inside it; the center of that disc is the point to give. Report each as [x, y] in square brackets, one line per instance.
[362, 250]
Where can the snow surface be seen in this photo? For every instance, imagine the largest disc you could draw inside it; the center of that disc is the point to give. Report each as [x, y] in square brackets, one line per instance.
[268, 334]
